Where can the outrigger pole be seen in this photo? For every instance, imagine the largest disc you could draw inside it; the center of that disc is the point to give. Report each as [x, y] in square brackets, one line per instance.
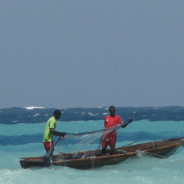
[49, 154]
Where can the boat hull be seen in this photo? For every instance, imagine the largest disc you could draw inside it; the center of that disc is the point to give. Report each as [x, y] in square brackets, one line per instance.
[161, 149]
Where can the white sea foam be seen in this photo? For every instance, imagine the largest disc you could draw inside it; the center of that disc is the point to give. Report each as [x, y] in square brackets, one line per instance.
[33, 107]
[92, 114]
[37, 114]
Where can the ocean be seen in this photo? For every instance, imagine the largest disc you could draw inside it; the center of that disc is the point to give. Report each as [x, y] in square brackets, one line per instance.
[21, 133]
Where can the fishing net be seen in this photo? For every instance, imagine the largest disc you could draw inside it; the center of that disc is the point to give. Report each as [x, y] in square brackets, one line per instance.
[81, 142]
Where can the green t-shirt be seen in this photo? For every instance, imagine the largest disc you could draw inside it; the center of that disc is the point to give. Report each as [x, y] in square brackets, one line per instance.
[48, 136]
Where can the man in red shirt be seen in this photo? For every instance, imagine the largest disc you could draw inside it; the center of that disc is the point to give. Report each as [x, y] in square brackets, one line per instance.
[110, 138]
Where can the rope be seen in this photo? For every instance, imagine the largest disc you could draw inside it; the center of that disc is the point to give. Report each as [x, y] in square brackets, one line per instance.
[100, 142]
[50, 152]
[164, 157]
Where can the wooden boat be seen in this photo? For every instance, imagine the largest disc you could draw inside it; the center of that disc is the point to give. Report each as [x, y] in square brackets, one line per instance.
[92, 159]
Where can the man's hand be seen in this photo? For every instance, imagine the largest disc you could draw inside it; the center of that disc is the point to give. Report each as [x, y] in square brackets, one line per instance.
[128, 121]
[62, 134]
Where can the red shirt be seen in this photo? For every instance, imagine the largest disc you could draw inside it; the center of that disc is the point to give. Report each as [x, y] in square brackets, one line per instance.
[111, 121]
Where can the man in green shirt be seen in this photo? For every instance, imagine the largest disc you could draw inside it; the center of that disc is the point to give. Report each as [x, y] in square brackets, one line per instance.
[50, 132]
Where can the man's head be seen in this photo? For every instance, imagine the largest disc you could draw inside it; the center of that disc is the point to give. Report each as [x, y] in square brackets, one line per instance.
[112, 110]
[57, 114]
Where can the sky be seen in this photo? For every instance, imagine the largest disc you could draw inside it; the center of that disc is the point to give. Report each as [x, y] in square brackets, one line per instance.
[91, 53]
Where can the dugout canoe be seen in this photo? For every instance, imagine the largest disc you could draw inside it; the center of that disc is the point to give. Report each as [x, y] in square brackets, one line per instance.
[92, 159]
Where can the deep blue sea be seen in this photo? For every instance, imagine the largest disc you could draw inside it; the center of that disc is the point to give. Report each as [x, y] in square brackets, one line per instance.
[21, 133]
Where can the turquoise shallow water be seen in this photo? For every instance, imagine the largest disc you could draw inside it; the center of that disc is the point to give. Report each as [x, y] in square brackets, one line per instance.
[140, 170]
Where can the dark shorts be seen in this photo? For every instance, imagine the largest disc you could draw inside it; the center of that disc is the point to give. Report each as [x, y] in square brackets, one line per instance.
[109, 140]
[48, 145]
